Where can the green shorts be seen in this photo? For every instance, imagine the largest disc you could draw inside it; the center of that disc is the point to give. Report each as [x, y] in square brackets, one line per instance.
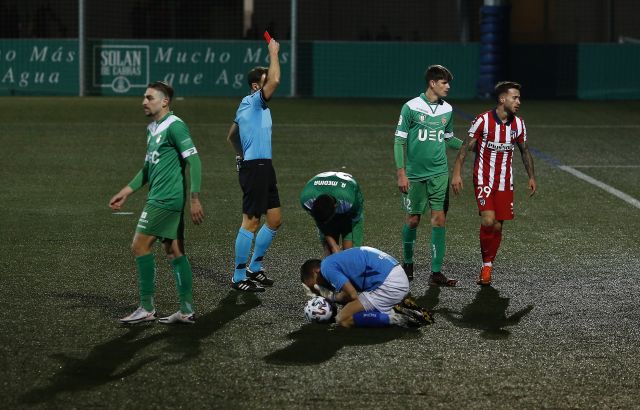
[433, 191]
[161, 223]
[343, 227]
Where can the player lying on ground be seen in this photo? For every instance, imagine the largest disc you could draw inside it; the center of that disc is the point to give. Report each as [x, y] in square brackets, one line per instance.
[370, 284]
[335, 202]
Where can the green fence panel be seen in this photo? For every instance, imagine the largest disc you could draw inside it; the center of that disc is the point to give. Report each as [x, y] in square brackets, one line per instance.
[389, 69]
[608, 71]
[39, 67]
[193, 67]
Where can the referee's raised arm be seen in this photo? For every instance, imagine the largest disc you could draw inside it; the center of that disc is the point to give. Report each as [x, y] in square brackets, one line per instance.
[273, 75]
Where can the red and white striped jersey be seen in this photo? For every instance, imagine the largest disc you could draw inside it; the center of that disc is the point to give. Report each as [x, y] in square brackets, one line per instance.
[494, 149]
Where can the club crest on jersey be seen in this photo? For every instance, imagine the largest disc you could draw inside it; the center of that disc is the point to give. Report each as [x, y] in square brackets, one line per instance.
[444, 120]
[514, 133]
[422, 117]
[482, 202]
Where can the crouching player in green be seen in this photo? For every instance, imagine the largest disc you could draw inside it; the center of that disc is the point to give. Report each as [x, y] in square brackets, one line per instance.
[335, 202]
[169, 150]
[424, 128]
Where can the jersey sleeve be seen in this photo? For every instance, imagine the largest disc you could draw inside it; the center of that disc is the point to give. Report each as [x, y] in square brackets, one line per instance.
[522, 137]
[476, 128]
[404, 123]
[181, 139]
[448, 129]
[333, 275]
[307, 198]
[257, 101]
[358, 205]
[141, 178]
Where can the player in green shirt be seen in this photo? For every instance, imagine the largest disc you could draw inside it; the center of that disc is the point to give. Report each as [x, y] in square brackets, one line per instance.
[335, 202]
[424, 129]
[169, 150]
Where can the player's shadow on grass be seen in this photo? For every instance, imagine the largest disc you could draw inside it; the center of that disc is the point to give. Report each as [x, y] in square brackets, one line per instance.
[487, 312]
[430, 299]
[186, 340]
[99, 367]
[317, 343]
[104, 362]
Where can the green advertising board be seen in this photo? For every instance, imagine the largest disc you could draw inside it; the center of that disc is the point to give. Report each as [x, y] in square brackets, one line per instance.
[194, 68]
[39, 67]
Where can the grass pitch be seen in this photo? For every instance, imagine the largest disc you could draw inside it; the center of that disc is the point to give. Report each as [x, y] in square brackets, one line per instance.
[558, 329]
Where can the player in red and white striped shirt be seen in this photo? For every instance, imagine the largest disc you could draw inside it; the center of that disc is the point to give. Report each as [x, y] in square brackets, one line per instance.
[493, 136]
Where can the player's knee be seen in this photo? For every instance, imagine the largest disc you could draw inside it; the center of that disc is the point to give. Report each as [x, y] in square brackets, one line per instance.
[413, 221]
[275, 224]
[438, 220]
[488, 221]
[139, 249]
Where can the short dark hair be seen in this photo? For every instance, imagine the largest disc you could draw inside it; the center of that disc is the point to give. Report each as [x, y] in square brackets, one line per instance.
[255, 74]
[504, 87]
[307, 268]
[163, 87]
[323, 208]
[437, 72]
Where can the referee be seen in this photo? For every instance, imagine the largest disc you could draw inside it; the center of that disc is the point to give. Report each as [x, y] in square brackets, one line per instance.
[250, 136]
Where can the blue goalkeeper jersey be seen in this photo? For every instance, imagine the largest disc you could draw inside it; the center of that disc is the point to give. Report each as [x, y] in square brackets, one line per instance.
[254, 121]
[365, 267]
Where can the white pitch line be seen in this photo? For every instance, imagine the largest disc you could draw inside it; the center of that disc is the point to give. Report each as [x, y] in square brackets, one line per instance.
[605, 166]
[122, 213]
[627, 198]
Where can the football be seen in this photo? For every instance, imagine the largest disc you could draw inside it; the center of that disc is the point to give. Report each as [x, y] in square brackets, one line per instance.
[319, 310]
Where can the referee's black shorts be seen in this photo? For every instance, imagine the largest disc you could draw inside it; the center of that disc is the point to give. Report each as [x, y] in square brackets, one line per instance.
[259, 187]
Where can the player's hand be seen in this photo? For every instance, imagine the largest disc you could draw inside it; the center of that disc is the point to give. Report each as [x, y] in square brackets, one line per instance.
[308, 291]
[456, 184]
[403, 183]
[274, 47]
[120, 198]
[197, 214]
[239, 160]
[533, 187]
[325, 293]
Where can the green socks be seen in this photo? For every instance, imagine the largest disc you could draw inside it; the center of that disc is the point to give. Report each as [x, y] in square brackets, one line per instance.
[146, 280]
[408, 241]
[184, 283]
[438, 247]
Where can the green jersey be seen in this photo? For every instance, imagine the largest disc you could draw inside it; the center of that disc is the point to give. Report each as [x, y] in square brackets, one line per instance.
[168, 145]
[340, 186]
[424, 127]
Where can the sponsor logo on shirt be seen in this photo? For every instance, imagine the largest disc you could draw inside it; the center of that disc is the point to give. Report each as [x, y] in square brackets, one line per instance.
[153, 157]
[500, 147]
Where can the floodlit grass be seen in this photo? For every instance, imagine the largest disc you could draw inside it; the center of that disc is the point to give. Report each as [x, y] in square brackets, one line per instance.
[558, 329]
